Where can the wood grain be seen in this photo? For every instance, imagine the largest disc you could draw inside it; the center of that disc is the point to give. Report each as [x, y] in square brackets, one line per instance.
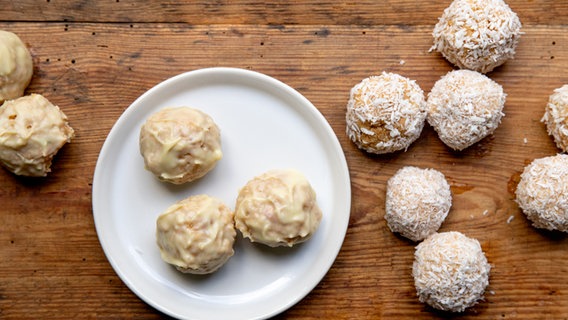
[237, 12]
[94, 58]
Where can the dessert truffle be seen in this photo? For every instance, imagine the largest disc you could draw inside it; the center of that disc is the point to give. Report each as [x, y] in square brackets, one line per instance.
[542, 192]
[16, 66]
[478, 35]
[180, 144]
[464, 107]
[32, 130]
[417, 202]
[450, 271]
[277, 208]
[556, 117]
[196, 235]
[385, 113]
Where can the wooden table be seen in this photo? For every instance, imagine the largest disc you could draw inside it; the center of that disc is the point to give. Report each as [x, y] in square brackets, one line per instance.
[94, 58]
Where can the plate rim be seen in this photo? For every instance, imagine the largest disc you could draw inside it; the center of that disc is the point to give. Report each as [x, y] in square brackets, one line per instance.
[272, 82]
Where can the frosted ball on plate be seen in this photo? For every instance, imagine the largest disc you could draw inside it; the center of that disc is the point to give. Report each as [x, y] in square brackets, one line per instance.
[417, 202]
[477, 35]
[556, 117]
[450, 271]
[32, 131]
[196, 234]
[277, 208]
[180, 144]
[542, 192]
[16, 66]
[385, 113]
[464, 107]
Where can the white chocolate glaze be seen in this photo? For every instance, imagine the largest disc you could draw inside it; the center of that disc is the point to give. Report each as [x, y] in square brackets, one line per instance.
[16, 66]
[32, 130]
[277, 208]
[196, 235]
[180, 144]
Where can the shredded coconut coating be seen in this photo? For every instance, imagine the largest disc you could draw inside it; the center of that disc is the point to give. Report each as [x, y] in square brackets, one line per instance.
[450, 271]
[542, 192]
[385, 113]
[556, 117]
[180, 145]
[277, 208]
[464, 107]
[417, 202]
[32, 130]
[16, 66]
[478, 35]
[196, 235]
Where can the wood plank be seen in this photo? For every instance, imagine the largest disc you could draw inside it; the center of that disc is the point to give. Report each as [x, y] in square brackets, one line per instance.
[51, 258]
[366, 12]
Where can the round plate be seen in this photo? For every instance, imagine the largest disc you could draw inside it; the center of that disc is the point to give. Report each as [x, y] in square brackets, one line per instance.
[265, 125]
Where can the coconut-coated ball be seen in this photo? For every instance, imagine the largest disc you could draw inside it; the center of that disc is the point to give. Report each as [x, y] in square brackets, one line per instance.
[385, 113]
[556, 117]
[478, 35]
[450, 271]
[464, 107]
[417, 202]
[542, 192]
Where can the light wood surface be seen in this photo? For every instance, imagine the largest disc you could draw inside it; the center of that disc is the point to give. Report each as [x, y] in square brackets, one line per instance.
[94, 58]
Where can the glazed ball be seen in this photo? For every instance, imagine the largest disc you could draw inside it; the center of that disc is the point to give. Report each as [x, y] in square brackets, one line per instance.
[464, 107]
[277, 208]
[385, 113]
[417, 202]
[32, 130]
[477, 35]
[196, 235]
[180, 145]
[556, 117]
[450, 271]
[16, 66]
[542, 192]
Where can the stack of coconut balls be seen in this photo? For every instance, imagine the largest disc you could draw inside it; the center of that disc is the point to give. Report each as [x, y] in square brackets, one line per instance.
[387, 112]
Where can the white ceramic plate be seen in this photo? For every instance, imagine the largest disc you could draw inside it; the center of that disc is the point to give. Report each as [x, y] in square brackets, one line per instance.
[264, 125]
